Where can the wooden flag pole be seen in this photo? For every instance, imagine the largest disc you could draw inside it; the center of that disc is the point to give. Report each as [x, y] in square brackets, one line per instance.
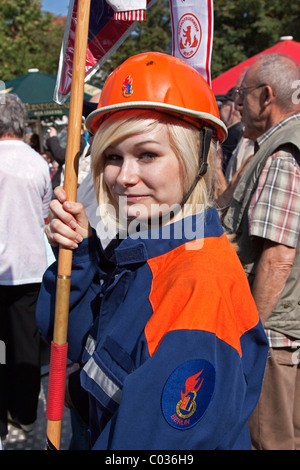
[58, 359]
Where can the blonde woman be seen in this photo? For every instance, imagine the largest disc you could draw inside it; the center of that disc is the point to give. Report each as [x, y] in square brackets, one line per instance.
[162, 322]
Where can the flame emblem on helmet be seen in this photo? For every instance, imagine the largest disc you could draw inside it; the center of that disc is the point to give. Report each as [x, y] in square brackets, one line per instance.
[127, 86]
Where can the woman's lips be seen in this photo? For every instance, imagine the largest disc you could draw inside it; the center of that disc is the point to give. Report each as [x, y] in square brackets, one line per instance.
[134, 197]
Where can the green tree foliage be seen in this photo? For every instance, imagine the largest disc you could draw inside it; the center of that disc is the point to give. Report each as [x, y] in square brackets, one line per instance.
[244, 28]
[28, 38]
[32, 38]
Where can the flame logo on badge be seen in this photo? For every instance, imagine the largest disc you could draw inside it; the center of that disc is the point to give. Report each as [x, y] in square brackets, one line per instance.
[186, 407]
[193, 384]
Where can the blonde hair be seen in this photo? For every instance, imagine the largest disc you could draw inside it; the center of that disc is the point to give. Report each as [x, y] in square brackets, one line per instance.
[184, 140]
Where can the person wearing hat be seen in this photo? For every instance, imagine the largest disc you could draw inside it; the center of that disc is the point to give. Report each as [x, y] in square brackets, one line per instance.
[162, 323]
[231, 117]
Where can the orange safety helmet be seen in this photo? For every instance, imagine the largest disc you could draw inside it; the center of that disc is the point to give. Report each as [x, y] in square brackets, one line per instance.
[154, 80]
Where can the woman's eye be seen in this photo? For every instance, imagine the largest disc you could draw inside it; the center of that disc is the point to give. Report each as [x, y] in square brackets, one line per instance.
[112, 157]
[148, 156]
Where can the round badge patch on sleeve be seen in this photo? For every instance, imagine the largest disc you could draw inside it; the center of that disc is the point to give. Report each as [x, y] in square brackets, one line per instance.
[188, 393]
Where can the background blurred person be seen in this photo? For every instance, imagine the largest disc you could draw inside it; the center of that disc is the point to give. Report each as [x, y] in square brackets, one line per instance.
[25, 194]
[264, 214]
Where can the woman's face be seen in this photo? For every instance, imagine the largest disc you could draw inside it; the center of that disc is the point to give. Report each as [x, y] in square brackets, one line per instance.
[144, 172]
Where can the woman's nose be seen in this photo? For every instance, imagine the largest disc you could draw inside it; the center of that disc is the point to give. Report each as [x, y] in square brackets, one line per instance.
[128, 174]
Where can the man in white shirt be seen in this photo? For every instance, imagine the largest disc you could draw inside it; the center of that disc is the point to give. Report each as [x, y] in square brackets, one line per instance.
[25, 194]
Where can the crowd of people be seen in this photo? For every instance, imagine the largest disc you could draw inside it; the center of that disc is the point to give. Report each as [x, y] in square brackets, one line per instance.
[184, 315]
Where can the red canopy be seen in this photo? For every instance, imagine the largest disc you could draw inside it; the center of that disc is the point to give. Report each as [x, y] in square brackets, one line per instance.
[227, 80]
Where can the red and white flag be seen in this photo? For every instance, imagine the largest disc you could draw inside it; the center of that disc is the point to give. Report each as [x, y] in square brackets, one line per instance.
[192, 33]
[111, 21]
[129, 10]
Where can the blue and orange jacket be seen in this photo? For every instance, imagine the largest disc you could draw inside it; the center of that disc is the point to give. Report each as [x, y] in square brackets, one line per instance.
[169, 338]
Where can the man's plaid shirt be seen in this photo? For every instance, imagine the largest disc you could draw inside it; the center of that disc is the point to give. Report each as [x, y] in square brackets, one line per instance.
[274, 212]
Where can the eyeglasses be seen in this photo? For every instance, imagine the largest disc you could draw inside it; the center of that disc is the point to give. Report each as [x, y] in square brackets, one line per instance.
[241, 90]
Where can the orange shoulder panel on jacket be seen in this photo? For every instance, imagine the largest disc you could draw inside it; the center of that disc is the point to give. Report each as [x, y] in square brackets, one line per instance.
[200, 289]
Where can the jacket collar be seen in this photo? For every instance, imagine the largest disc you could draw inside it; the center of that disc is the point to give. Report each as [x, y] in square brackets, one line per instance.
[140, 247]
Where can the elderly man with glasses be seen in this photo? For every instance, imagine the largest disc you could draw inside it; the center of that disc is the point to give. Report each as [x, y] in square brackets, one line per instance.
[264, 214]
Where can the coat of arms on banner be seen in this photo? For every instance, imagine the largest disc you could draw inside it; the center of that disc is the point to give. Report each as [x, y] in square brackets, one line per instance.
[189, 35]
[192, 33]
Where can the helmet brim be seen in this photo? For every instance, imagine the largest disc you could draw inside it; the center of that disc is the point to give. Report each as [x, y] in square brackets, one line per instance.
[95, 119]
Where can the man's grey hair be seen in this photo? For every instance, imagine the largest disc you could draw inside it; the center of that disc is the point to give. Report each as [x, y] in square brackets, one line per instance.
[280, 72]
[13, 116]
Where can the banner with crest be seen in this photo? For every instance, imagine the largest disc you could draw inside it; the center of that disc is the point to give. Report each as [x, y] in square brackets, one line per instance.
[192, 33]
